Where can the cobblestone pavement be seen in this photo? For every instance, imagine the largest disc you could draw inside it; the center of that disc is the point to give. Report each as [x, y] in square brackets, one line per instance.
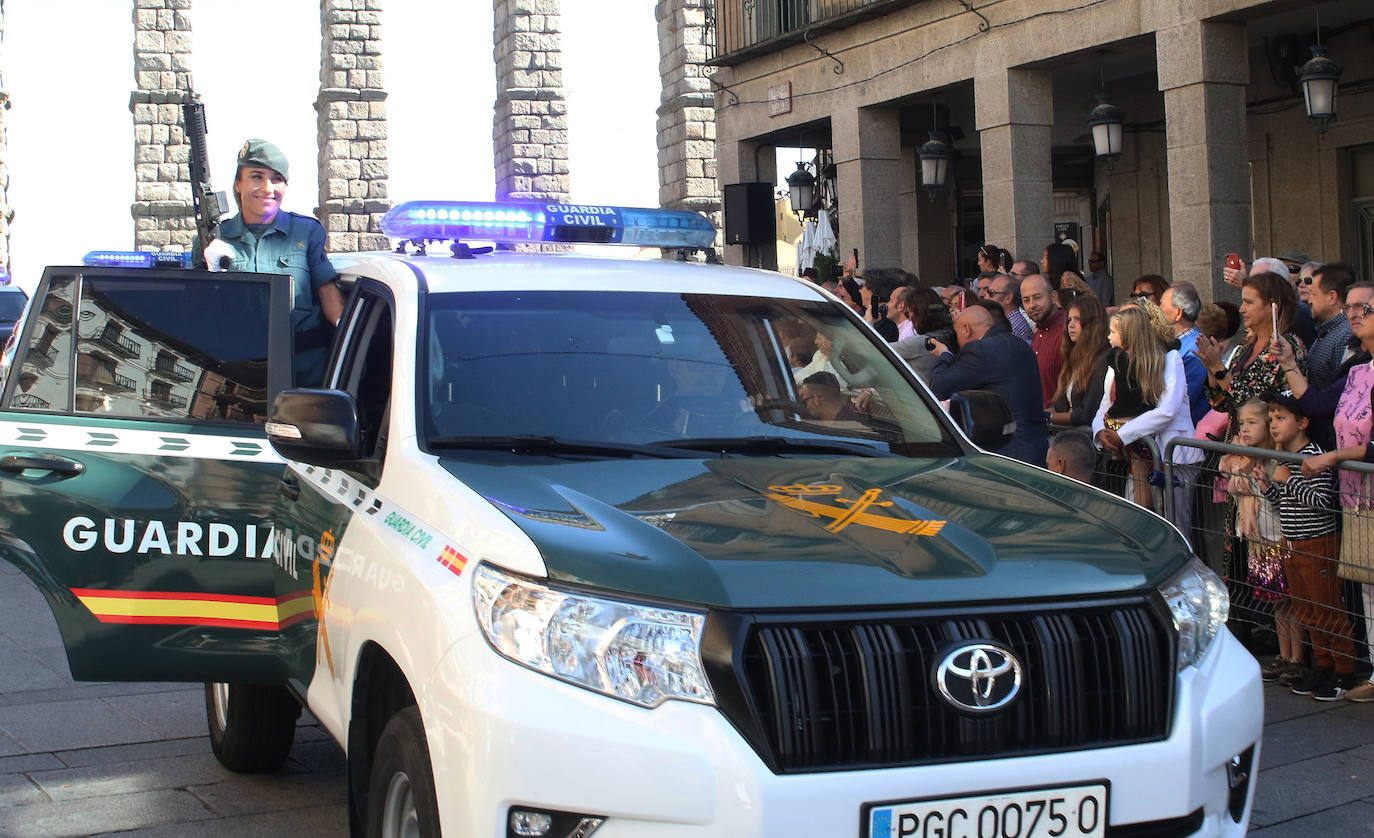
[81, 759]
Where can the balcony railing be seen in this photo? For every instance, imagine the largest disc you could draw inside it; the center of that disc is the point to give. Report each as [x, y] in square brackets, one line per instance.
[741, 29]
[168, 366]
[31, 401]
[114, 338]
[161, 399]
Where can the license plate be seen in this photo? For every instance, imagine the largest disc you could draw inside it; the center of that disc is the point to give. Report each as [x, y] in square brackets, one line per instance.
[1063, 812]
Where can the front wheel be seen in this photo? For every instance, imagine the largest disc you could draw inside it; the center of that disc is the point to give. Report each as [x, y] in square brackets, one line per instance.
[400, 800]
[251, 726]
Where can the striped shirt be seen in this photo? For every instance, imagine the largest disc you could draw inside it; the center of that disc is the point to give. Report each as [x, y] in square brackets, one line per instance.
[1306, 505]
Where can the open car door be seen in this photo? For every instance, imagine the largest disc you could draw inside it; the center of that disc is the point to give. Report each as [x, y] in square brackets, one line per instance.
[136, 482]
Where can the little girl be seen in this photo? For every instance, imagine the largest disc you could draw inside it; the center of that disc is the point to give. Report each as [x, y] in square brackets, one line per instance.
[1142, 396]
[1257, 523]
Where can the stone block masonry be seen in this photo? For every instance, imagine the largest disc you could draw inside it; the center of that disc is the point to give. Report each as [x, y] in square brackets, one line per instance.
[351, 121]
[529, 127]
[162, 177]
[686, 113]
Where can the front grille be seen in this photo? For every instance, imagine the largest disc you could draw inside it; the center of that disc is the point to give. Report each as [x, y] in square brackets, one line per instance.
[826, 694]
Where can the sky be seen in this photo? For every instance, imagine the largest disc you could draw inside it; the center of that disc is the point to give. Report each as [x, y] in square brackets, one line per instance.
[68, 68]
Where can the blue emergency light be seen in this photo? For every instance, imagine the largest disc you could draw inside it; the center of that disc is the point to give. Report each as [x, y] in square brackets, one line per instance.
[529, 222]
[137, 259]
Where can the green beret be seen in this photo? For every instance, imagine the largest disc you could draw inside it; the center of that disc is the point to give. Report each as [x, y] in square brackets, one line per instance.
[262, 153]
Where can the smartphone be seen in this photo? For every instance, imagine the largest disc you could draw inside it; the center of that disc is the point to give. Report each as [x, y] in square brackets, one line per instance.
[1233, 261]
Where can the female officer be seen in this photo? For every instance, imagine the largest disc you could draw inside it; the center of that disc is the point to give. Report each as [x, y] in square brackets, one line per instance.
[264, 238]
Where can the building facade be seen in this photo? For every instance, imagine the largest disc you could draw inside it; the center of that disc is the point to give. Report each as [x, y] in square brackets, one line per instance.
[1218, 155]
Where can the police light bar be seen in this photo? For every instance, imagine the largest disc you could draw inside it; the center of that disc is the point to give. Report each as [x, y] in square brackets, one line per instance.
[137, 259]
[547, 223]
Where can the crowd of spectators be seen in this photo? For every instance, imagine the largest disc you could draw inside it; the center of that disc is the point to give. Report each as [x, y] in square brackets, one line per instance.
[1089, 381]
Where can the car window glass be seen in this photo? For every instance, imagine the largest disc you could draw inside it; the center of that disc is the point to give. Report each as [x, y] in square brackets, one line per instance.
[12, 305]
[645, 367]
[172, 349]
[44, 380]
[366, 370]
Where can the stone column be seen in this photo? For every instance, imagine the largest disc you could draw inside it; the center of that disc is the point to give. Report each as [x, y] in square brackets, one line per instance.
[1203, 72]
[1014, 111]
[529, 131]
[6, 211]
[867, 144]
[686, 113]
[163, 216]
[351, 117]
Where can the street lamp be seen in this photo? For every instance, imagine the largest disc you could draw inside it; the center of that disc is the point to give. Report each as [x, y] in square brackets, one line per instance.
[1320, 77]
[1106, 122]
[801, 190]
[935, 156]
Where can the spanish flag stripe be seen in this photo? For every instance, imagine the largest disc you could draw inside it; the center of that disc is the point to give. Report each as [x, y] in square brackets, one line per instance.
[190, 621]
[196, 609]
[179, 595]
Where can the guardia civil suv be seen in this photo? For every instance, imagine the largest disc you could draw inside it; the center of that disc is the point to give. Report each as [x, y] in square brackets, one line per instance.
[574, 546]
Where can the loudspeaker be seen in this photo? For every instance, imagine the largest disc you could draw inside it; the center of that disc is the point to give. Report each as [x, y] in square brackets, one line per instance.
[749, 212]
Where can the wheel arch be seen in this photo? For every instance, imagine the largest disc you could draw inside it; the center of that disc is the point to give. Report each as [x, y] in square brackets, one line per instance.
[380, 690]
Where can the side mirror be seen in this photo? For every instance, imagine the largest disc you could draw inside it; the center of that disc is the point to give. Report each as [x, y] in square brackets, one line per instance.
[319, 427]
[984, 416]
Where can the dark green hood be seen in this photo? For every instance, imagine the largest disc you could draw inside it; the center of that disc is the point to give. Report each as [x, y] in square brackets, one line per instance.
[770, 532]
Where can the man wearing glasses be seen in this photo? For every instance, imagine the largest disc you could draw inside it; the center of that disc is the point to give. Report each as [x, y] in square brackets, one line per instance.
[1099, 280]
[1006, 292]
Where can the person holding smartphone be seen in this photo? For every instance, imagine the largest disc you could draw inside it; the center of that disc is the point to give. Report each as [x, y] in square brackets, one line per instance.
[1268, 304]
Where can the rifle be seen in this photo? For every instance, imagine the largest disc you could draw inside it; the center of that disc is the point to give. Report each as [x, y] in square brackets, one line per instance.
[207, 204]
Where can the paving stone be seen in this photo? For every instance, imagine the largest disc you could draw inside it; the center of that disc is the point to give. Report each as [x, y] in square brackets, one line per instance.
[29, 762]
[17, 790]
[1312, 785]
[1310, 736]
[20, 670]
[318, 822]
[176, 714]
[133, 753]
[69, 818]
[72, 724]
[124, 778]
[1352, 819]
[252, 794]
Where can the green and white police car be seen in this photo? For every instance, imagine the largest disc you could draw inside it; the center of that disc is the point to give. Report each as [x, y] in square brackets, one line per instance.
[572, 545]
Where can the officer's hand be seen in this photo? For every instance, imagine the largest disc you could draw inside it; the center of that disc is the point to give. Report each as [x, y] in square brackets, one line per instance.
[937, 348]
[217, 254]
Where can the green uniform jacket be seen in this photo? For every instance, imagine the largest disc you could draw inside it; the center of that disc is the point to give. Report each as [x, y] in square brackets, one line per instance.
[293, 246]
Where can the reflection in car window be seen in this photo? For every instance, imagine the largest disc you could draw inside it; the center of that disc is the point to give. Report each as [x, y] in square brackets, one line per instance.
[172, 349]
[44, 381]
[643, 368]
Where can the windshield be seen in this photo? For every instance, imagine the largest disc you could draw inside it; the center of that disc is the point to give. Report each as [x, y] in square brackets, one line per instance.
[637, 368]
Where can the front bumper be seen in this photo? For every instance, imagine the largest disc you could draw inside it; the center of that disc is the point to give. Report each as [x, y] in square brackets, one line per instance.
[502, 736]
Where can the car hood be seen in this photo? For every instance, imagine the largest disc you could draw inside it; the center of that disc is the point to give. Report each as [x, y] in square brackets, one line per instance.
[786, 533]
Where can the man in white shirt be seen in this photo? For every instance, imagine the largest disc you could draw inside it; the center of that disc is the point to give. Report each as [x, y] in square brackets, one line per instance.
[899, 311]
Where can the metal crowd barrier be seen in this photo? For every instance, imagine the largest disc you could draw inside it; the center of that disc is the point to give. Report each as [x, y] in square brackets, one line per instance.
[1308, 590]
[1113, 473]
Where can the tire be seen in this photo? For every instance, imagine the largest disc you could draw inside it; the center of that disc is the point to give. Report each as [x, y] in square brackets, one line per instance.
[251, 726]
[400, 800]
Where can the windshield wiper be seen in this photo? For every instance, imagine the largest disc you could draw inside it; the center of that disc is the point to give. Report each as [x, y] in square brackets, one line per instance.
[552, 445]
[766, 445]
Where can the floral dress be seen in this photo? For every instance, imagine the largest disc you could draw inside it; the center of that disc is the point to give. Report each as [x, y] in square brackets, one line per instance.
[1252, 380]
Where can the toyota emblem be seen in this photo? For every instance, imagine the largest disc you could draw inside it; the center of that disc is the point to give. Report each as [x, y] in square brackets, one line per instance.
[979, 677]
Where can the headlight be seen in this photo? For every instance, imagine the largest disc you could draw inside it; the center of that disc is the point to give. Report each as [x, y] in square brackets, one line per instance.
[638, 653]
[1198, 601]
